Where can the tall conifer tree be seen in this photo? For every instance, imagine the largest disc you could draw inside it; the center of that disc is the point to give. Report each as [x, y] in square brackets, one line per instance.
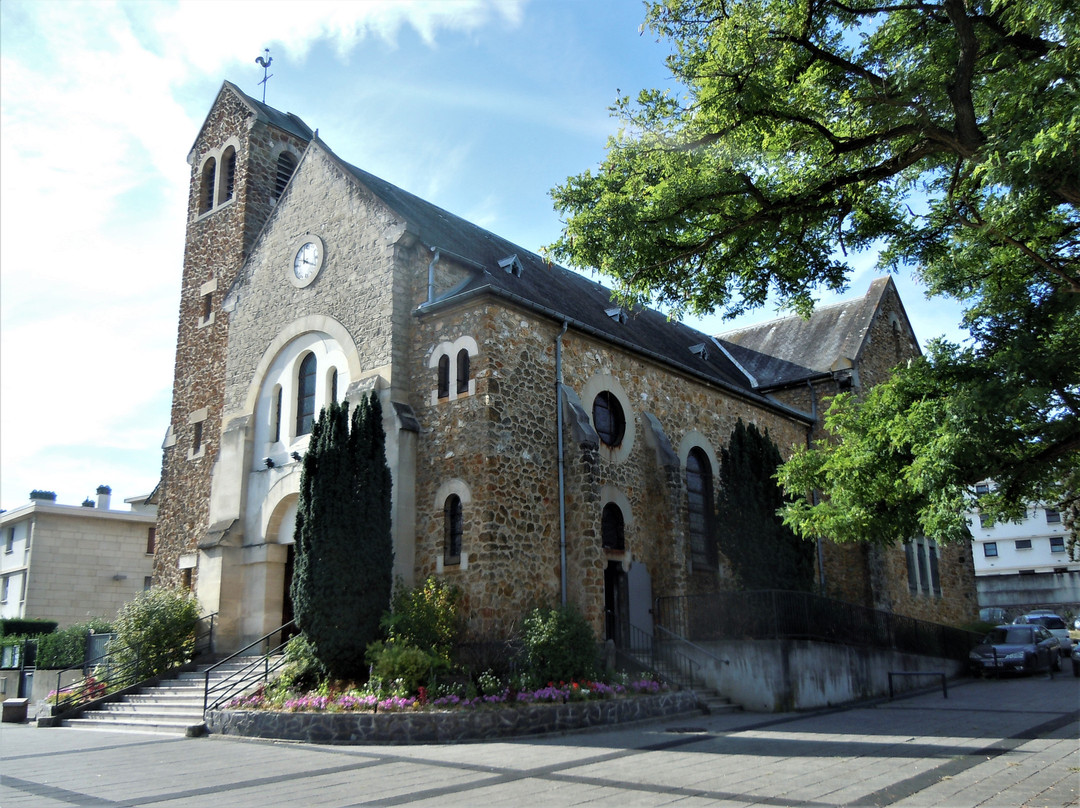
[763, 552]
[344, 550]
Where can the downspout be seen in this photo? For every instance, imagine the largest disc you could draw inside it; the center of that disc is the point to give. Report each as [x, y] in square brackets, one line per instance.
[562, 461]
[814, 493]
[431, 275]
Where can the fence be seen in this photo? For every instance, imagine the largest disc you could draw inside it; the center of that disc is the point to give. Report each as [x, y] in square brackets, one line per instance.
[776, 614]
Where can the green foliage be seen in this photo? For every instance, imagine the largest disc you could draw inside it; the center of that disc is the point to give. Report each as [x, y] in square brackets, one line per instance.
[66, 648]
[155, 631]
[426, 617]
[943, 135]
[762, 551]
[302, 670]
[403, 668]
[344, 551]
[559, 645]
[26, 627]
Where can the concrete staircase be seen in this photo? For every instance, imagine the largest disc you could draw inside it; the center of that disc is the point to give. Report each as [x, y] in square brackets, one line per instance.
[712, 702]
[174, 706]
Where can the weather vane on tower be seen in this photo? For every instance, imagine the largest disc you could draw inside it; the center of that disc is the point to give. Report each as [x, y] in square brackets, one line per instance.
[265, 66]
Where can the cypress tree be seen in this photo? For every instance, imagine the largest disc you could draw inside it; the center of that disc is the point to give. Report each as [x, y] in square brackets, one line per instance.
[344, 550]
[763, 552]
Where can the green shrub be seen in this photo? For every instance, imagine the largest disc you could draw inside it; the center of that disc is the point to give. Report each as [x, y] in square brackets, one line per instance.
[425, 617]
[30, 627]
[403, 668]
[302, 670]
[157, 629]
[66, 648]
[559, 645]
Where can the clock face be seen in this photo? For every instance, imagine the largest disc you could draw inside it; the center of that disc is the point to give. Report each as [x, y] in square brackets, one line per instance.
[306, 263]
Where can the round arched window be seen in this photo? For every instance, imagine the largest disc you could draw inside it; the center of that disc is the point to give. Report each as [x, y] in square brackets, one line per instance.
[608, 418]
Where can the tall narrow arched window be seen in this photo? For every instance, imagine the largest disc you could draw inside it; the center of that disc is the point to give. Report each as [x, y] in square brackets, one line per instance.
[332, 392]
[463, 371]
[305, 395]
[453, 526]
[228, 170]
[286, 165]
[699, 499]
[444, 376]
[206, 185]
[275, 416]
[612, 528]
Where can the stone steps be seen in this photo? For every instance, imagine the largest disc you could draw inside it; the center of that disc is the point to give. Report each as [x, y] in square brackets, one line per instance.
[174, 706]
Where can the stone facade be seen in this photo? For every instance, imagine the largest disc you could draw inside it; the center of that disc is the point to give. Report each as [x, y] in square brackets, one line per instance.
[477, 350]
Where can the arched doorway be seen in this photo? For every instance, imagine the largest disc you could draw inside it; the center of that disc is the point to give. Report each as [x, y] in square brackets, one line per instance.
[616, 605]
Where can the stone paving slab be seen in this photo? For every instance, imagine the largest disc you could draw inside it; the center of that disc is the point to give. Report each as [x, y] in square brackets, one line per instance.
[991, 743]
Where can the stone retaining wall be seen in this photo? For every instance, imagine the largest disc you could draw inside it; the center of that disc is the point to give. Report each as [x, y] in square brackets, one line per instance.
[450, 726]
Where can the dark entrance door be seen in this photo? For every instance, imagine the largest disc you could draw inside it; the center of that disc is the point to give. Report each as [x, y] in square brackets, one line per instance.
[286, 598]
[616, 605]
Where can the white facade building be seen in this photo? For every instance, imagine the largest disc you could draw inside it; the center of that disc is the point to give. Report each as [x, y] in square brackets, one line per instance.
[70, 563]
[1025, 564]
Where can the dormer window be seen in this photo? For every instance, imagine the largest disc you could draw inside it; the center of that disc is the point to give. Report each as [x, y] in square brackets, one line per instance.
[618, 314]
[511, 266]
[701, 349]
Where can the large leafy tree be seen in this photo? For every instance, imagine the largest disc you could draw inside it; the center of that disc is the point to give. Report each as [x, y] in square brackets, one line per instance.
[944, 134]
[344, 550]
[763, 552]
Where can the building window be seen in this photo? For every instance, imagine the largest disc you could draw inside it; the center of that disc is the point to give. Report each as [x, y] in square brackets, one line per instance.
[305, 395]
[206, 186]
[444, 376]
[1057, 544]
[699, 498]
[147, 582]
[228, 162]
[275, 416]
[453, 526]
[1053, 517]
[463, 372]
[608, 418]
[9, 540]
[986, 520]
[1023, 544]
[151, 540]
[981, 489]
[286, 165]
[4, 589]
[332, 392]
[922, 567]
[196, 438]
[990, 549]
[612, 528]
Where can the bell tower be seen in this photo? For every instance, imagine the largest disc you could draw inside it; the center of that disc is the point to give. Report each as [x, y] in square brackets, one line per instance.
[241, 162]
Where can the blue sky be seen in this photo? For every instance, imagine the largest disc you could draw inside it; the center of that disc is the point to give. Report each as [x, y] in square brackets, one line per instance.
[480, 106]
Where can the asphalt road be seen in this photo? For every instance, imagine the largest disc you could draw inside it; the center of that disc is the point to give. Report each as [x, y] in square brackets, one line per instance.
[1011, 742]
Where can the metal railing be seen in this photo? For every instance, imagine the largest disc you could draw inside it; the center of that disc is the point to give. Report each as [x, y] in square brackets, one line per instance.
[122, 667]
[776, 614]
[659, 655]
[239, 681]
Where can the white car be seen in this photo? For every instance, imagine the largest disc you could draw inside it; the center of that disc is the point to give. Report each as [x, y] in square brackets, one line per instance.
[1052, 623]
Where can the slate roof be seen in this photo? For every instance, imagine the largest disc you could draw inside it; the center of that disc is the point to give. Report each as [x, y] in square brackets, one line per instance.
[554, 291]
[790, 350]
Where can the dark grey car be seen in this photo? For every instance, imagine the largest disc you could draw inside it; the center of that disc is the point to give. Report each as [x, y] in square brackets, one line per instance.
[1016, 649]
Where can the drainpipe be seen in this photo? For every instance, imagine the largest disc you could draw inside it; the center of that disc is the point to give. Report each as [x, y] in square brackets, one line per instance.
[431, 275]
[562, 460]
[814, 494]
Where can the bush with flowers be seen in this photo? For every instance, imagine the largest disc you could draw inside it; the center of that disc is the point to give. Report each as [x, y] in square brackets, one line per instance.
[414, 668]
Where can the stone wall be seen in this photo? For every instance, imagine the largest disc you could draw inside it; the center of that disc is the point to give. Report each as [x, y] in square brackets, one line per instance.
[216, 245]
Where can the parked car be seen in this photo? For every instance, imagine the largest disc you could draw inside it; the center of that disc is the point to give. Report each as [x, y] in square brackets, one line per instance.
[1054, 623]
[1076, 660]
[992, 614]
[1017, 648]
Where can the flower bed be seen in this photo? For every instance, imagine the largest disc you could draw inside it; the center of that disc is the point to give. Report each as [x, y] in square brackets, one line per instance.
[403, 721]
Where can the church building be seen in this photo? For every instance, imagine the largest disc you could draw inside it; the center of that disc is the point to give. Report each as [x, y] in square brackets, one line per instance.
[545, 443]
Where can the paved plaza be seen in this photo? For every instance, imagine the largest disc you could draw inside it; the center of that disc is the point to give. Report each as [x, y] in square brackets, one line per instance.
[990, 743]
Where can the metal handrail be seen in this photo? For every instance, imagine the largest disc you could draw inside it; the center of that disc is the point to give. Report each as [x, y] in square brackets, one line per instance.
[241, 679]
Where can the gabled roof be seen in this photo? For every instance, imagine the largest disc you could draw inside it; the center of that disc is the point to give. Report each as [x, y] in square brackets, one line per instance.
[285, 121]
[554, 291]
[789, 350]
